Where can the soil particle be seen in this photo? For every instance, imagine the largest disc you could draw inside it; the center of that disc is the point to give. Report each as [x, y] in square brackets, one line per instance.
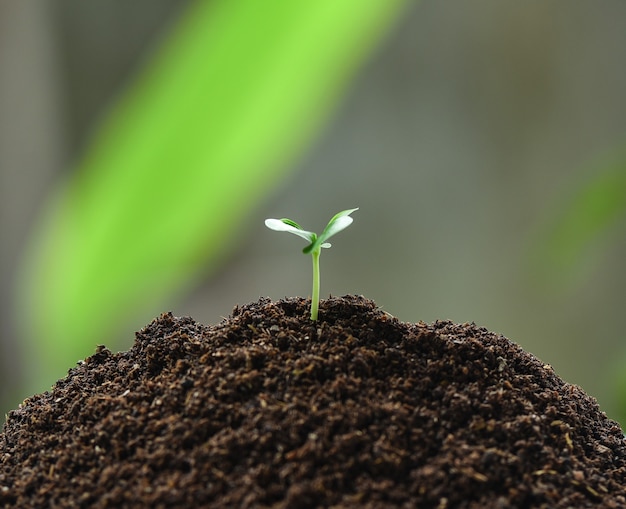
[269, 409]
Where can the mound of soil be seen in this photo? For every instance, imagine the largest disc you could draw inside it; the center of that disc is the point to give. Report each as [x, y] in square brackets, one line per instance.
[269, 409]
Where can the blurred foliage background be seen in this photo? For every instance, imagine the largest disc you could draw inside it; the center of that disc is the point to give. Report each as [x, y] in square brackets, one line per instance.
[483, 142]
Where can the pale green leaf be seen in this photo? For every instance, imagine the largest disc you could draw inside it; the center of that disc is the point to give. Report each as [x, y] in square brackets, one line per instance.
[339, 222]
[286, 225]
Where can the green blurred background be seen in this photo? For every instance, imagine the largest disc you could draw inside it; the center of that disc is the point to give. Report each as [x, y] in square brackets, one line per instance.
[143, 143]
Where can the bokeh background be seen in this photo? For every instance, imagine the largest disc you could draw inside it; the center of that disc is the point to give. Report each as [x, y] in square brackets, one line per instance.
[465, 134]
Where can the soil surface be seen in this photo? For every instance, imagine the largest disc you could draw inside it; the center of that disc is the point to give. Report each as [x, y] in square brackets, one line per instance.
[269, 409]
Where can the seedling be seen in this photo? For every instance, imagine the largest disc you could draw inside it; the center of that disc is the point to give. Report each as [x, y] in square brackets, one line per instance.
[339, 222]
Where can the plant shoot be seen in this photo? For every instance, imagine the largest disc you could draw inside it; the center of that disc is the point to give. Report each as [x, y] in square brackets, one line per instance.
[339, 222]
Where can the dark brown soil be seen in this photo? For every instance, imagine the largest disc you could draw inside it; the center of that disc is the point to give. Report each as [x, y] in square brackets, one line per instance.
[268, 409]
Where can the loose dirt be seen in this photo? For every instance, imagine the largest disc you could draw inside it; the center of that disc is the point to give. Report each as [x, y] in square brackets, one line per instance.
[268, 409]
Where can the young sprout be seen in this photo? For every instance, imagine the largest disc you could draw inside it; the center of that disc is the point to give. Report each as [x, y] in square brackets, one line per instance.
[339, 222]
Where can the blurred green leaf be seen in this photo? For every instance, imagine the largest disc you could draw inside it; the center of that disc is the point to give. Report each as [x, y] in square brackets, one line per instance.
[592, 211]
[207, 129]
[617, 374]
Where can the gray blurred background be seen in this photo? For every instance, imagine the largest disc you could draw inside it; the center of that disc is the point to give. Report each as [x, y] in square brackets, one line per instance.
[459, 140]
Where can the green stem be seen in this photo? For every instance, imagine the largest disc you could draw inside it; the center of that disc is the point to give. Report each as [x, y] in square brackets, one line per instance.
[315, 298]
